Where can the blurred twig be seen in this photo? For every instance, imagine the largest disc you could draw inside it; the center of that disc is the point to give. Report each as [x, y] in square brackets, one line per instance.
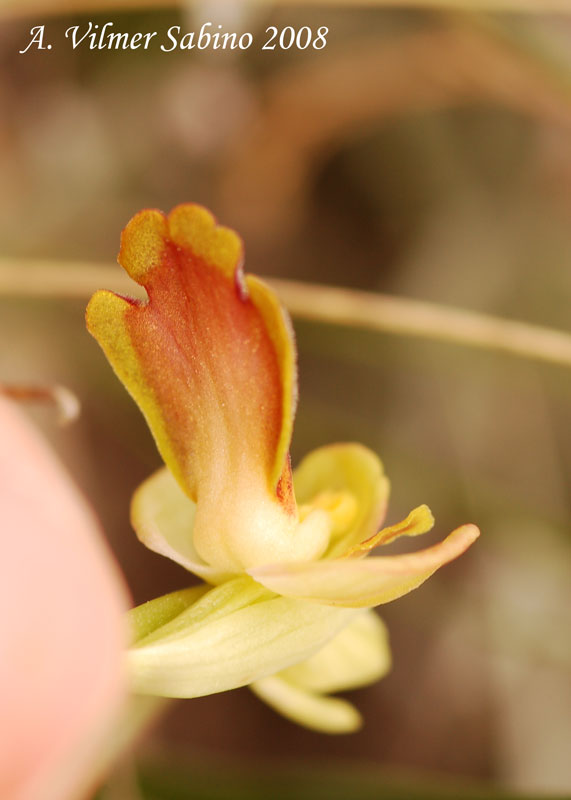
[407, 317]
[337, 306]
[39, 278]
[314, 104]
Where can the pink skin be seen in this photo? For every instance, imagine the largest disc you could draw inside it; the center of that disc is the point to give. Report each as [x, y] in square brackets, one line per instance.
[61, 631]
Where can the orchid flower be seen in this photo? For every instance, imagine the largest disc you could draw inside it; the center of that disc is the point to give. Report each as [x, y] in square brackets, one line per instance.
[62, 632]
[287, 591]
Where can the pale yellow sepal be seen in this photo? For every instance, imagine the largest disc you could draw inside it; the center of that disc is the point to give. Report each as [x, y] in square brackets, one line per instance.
[323, 714]
[357, 656]
[351, 470]
[163, 518]
[233, 635]
[361, 583]
[148, 617]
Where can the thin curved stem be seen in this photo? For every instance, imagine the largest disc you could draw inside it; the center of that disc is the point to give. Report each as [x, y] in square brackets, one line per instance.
[421, 319]
[337, 306]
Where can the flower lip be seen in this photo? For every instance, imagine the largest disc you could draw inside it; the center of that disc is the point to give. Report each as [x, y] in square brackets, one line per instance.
[210, 360]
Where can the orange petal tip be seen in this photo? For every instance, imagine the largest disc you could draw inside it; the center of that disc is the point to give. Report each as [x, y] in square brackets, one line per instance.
[143, 244]
[193, 227]
[189, 226]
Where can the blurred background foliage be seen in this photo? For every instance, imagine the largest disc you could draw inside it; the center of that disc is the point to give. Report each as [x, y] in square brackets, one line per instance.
[423, 153]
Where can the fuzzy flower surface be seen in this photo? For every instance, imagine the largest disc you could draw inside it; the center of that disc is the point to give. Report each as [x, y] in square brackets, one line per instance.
[287, 585]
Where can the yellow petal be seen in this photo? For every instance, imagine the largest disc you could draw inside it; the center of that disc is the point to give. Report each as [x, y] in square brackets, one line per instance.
[357, 656]
[324, 714]
[359, 583]
[232, 635]
[349, 469]
[420, 520]
[163, 518]
[210, 360]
